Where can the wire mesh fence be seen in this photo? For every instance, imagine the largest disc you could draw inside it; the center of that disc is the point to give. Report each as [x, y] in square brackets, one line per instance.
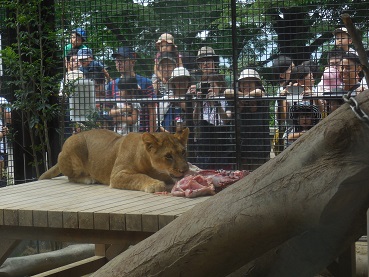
[247, 78]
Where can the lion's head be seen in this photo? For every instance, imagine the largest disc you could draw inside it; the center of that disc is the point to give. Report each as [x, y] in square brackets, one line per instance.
[168, 152]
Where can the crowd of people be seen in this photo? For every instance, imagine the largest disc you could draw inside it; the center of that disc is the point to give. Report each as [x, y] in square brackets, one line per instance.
[226, 118]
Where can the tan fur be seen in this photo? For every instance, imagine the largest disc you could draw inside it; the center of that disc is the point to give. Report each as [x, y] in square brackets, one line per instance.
[137, 161]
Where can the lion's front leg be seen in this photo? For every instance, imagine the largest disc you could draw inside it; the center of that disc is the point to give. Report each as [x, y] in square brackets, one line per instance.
[136, 181]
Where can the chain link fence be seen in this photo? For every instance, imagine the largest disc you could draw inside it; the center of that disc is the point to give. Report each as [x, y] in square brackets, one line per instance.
[246, 77]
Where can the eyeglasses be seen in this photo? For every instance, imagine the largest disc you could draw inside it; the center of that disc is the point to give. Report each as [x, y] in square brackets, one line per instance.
[205, 60]
[121, 60]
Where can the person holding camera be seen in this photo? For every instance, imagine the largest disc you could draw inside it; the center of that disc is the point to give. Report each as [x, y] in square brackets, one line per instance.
[125, 113]
[211, 120]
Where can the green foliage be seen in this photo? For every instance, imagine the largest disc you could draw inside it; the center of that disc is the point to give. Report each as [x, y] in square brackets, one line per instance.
[28, 61]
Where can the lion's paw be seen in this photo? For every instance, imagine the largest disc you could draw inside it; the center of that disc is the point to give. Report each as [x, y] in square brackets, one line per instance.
[155, 187]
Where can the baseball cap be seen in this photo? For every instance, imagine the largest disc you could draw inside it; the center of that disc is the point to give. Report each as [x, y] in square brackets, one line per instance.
[249, 73]
[81, 32]
[165, 37]
[340, 30]
[179, 72]
[125, 52]
[84, 53]
[167, 56]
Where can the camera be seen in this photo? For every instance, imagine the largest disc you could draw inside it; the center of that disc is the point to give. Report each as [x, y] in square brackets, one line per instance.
[204, 88]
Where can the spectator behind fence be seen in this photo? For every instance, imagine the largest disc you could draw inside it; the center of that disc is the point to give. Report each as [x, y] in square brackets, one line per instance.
[126, 114]
[165, 44]
[93, 70]
[351, 72]
[81, 94]
[166, 64]
[304, 116]
[253, 119]
[301, 85]
[281, 71]
[5, 120]
[77, 38]
[172, 114]
[212, 134]
[331, 78]
[343, 40]
[125, 60]
[207, 62]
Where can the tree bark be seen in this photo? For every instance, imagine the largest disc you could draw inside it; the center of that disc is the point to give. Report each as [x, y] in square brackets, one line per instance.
[300, 210]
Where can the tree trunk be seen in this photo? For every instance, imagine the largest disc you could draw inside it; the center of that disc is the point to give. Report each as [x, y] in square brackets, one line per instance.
[307, 205]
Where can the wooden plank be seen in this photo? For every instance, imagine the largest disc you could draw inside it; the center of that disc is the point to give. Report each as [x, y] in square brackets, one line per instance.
[79, 268]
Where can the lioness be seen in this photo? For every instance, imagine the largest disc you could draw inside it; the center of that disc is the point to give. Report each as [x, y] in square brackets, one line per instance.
[137, 161]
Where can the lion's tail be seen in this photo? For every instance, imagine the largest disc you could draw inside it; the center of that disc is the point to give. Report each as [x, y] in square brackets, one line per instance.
[51, 173]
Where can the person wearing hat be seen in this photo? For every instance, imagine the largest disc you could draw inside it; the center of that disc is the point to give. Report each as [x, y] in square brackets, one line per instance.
[304, 117]
[77, 38]
[212, 132]
[172, 114]
[93, 70]
[165, 43]
[166, 64]
[125, 60]
[343, 40]
[207, 61]
[253, 119]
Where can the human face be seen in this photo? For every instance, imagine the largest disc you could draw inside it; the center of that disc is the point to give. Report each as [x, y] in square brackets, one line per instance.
[215, 88]
[85, 62]
[124, 65]
[73, 63]
[350, 73]
[343, 40]
[305, 121]
[166, 68]
[308, 81]
[166, 47]
[207, 65]
[247, 85]
[76, 40]
[181, 84]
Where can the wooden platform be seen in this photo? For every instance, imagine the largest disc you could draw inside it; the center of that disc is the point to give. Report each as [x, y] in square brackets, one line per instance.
[58, 210]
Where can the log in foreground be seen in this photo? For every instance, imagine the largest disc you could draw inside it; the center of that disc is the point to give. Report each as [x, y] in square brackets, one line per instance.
[310, 202]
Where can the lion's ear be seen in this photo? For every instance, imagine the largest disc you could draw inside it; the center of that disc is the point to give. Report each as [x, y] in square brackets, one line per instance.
[150, 141]
[183, 136]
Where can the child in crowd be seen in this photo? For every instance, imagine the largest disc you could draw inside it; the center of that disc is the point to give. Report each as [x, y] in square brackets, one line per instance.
[165, 44]
[331, 78]
[77, 38]
[343, 40]
[173, 113]
[94, 70]
[304, 117]
[253, 119]
[126, 114]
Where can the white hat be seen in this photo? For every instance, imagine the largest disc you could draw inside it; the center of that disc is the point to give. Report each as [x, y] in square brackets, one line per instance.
[179, 72]
[205, 52]
[249, 73]
[340, 30]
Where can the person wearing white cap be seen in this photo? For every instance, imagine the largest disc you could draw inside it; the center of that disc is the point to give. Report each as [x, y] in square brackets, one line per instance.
[172, 114]
[343, 40]
[253, 119]
[165, 44]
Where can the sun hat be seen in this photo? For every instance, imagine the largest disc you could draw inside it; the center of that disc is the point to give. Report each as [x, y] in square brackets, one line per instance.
[165, 37]
[179, 72]
[303, 107]
[340, 30]
[167, 56]
[249, 73]
[205, 52]
[81, 32]
[84, 53]
[124, 52]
